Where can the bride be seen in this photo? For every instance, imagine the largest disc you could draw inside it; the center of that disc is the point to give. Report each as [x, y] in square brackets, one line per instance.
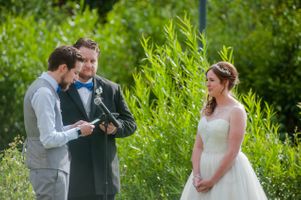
[220, 170]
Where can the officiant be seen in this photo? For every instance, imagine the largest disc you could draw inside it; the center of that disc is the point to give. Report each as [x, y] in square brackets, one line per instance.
[94, 172]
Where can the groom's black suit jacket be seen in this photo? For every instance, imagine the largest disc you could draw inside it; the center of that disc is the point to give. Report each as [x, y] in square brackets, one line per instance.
[88, 154]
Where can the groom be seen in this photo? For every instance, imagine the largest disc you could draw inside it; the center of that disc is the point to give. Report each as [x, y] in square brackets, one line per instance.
[47, 154]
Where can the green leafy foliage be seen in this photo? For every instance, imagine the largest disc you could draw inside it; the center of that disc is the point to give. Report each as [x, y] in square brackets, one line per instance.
[126, 23]
[165, 102]
[52, 11]
[276, 162]
[265, 36]
[14, 182]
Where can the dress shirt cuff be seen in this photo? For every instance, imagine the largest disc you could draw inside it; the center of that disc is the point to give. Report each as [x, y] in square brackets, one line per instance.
[66, 128]
[73, 133]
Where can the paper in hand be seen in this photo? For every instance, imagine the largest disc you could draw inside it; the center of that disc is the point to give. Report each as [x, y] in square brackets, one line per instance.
[95, 121]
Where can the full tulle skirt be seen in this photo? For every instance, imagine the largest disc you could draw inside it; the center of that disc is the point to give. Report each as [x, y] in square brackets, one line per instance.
[239, 183]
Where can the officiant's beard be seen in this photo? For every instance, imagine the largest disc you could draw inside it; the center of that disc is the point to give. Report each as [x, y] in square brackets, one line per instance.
[84, 77]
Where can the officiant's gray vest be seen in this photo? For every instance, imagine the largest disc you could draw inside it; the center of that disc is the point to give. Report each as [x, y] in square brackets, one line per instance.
[37, 157]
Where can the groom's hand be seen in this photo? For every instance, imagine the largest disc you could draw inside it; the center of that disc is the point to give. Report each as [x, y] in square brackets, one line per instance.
[86, 128]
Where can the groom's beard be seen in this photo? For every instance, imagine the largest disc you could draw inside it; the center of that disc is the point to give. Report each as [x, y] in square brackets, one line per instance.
[64, 84]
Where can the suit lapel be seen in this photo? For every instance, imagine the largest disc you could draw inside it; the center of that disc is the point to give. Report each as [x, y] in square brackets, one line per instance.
[72, 91]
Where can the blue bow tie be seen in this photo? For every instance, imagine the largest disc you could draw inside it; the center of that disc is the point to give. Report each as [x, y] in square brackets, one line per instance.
[79, 85]
[58, 89]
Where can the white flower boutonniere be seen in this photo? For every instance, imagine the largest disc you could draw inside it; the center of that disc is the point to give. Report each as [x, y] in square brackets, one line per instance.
[98, 91]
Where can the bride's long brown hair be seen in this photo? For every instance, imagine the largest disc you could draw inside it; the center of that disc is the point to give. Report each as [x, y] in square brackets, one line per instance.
[224, 71]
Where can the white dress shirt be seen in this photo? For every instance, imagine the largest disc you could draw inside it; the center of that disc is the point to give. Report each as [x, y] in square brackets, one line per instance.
[86, 95]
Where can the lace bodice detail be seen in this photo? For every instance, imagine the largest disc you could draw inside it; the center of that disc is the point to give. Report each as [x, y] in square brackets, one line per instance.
[214, 134]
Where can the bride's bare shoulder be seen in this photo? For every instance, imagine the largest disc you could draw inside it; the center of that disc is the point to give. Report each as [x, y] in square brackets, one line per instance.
[238, 108]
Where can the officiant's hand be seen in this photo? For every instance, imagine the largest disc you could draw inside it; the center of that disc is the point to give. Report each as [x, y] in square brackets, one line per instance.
[111, 129]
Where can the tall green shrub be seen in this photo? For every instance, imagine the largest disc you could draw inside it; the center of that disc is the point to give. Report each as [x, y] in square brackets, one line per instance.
[277, 162]
[165, 101]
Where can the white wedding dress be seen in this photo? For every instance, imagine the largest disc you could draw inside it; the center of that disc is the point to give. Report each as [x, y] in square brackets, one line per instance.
[239, 183]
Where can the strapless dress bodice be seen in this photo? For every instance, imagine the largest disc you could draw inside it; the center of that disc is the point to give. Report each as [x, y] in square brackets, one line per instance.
[214, 134]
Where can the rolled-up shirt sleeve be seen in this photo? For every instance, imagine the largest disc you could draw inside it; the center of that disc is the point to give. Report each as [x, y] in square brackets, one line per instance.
[43, 103]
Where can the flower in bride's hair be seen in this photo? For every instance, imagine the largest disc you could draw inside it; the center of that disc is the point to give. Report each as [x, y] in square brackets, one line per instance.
[223, 70]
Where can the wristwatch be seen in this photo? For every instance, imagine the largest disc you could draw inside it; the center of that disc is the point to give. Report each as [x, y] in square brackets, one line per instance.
[78, 131]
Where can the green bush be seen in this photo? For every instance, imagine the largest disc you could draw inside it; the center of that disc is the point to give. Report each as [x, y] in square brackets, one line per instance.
[51, 11]
[126, 23]
[14, 182]
[165, 102]
[266, 38]
[277, 162]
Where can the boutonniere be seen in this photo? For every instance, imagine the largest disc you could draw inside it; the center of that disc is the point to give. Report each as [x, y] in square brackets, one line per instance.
[98, 91]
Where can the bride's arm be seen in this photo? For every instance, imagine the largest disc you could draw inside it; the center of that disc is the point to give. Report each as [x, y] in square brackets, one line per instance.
[236, 133]
[195, 158]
